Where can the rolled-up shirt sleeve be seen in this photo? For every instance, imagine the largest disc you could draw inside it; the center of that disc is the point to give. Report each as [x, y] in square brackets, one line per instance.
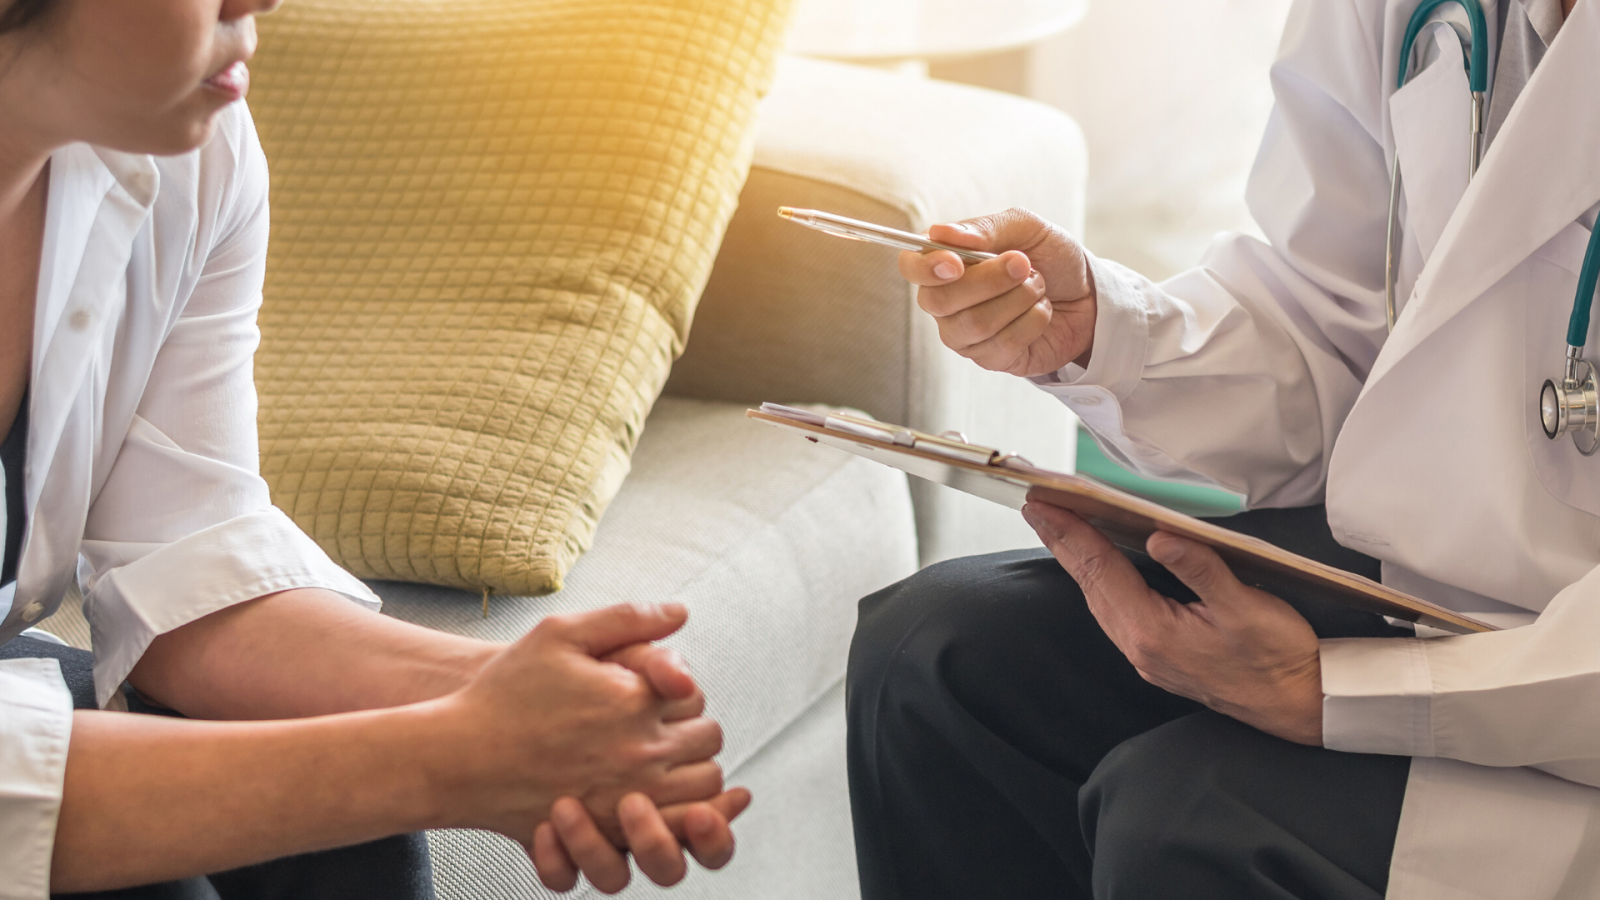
[1239, 373]
[36, 724]
[183, 524]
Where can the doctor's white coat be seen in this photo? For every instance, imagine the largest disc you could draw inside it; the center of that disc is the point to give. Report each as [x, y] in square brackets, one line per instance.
[1268, 371]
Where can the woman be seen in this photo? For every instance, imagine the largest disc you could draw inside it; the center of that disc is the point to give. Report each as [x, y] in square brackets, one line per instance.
[133, 228]
[1055, 723]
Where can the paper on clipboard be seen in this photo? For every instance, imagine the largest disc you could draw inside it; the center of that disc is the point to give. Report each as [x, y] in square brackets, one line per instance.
[1127, 520]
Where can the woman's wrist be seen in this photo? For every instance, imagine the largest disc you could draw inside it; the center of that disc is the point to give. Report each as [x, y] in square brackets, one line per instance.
[446, 667]
[460, 779]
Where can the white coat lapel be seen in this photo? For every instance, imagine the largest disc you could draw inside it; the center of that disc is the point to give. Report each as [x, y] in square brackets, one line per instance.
[1540, 175]
[1431, 117]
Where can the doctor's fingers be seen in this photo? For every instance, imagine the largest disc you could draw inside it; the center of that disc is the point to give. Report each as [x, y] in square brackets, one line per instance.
[981, 281]
[1231, 602]
[979, 323]
[1010, 351]
[1132, 615]
[1257, 626]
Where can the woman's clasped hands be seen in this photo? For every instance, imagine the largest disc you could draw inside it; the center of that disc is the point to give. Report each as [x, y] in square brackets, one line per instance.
[584, 742]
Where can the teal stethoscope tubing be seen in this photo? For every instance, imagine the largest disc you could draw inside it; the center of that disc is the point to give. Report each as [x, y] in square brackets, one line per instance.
[1477, 65]
[1578, 325]
[1478, 81]
[1574, 405]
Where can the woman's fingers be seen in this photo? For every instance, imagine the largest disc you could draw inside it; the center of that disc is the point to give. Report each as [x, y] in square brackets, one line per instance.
[703, 827]
[693, 740]
[603, 631]
[653, 846]
[689, 783]
[550, 860]
[709, 836]
[603, 864]
[668, 675]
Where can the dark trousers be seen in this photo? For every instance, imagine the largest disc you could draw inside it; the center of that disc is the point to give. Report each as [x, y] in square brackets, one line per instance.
[1001, 746]
[395, 868]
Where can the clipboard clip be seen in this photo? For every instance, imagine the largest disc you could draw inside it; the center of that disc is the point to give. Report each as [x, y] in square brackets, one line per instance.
[949, 444]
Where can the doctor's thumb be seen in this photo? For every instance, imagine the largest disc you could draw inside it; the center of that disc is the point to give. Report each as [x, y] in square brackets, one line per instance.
[1197, 566]
[1013, 229]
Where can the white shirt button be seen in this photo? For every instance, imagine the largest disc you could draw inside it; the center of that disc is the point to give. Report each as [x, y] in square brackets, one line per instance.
[142, 186]
[80, 320]
[32, 612]
[1086, 401]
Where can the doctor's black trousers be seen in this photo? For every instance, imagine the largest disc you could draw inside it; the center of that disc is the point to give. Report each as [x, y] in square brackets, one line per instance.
[1001, 746]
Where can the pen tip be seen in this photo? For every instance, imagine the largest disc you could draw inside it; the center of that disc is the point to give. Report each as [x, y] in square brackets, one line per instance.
[786, 212]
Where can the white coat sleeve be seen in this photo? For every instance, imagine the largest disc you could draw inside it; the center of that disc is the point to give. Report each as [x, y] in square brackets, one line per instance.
[1240, 372]
[1526, 696]
[183, 525]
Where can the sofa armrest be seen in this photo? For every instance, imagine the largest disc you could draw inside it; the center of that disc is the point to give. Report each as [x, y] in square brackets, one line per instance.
[792, 315]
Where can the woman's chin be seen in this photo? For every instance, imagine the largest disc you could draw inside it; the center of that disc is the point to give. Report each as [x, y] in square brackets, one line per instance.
[175, 137]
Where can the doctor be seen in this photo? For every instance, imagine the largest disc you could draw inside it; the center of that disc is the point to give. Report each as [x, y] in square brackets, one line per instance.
[1154, 728]
[133, 234]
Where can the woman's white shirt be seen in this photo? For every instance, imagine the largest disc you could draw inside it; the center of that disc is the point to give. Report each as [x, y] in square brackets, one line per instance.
[141, 477]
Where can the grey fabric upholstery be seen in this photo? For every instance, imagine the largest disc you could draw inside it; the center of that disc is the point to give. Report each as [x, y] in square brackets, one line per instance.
[793, 314]
[769, 541]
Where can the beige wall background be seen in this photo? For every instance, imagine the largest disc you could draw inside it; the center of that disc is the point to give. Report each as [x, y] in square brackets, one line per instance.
[1172, 96]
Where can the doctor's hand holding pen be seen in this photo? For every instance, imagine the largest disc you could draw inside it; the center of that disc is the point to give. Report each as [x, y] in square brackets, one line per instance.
[1027, 312]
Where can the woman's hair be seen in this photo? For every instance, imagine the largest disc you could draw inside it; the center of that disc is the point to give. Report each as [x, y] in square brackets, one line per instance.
[19, 14]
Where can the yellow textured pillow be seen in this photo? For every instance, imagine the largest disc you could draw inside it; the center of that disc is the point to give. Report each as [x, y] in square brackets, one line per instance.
[491, 220]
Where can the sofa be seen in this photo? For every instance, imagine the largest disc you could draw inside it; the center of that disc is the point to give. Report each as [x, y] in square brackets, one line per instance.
[770, 540]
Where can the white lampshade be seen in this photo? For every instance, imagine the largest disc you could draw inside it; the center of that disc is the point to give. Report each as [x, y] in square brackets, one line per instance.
[929, 30]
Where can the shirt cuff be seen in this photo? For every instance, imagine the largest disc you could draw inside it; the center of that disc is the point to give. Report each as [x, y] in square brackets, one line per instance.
[1121, 334]
[1377, 696]
[35, 726]
[175, 584]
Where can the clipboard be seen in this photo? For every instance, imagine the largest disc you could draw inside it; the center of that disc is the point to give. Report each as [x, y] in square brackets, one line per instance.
[953, 461]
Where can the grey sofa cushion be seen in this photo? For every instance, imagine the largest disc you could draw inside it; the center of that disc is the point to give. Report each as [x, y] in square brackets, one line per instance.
[769, 541]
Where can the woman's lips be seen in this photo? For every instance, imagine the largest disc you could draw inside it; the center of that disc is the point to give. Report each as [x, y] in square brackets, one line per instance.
[233, 81]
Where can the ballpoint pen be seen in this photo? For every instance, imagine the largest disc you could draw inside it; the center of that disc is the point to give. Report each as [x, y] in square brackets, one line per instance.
[856, 230]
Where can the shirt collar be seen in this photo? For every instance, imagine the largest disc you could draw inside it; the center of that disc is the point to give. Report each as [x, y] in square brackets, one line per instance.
[81, 177]
[1545, 17]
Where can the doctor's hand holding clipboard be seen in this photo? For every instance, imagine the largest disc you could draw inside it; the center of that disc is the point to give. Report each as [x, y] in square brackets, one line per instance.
[1030, 312]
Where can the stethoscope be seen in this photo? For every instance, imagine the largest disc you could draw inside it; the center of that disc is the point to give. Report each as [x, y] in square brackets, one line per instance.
[1572, 405]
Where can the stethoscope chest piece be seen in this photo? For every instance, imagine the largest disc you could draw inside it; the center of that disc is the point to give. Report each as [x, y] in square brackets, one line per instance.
[1573, 406]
